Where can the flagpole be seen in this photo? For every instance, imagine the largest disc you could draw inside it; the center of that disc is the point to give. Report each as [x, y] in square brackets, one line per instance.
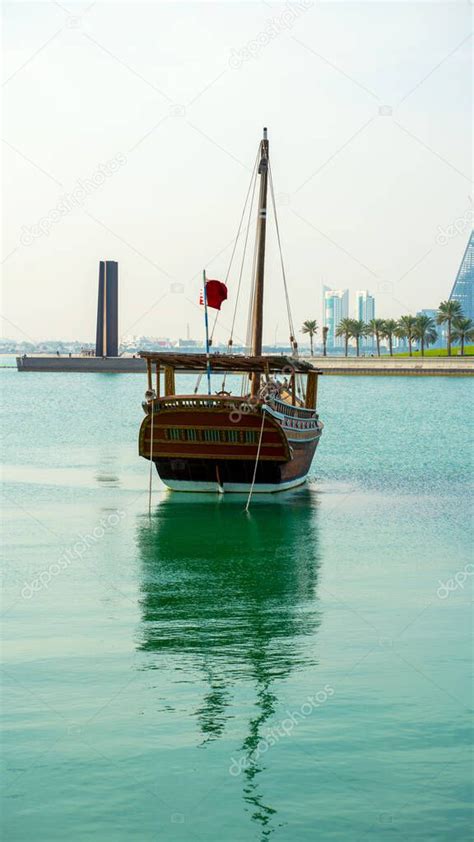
[208, 360]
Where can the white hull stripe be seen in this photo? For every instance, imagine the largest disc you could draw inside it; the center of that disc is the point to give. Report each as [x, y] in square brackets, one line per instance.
[232, 487]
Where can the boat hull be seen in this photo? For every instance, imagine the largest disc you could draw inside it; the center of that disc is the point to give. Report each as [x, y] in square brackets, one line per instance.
[204, 445]
[236, 476]
[231, 487]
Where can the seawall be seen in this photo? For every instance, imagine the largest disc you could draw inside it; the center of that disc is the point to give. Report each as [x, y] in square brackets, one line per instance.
[341, 366]
[396, 366]
[97, 365]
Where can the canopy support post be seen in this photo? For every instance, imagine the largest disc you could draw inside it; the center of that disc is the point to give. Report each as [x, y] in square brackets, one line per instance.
[157, 390]
[169, 381]
[311, 390]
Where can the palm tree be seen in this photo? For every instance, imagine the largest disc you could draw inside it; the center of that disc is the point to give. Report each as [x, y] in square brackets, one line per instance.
[376, 327]
[310, 326]
[325, 339]
[447, 312]
[425, 331]
[406, 330]
[344, 329]
[358, 329]
[463, 331]
[389, 331]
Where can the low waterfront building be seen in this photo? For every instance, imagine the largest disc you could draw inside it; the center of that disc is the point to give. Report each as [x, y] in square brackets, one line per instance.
[433, 314]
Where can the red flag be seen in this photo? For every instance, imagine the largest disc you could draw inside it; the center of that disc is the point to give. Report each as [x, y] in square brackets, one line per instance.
[216, 293]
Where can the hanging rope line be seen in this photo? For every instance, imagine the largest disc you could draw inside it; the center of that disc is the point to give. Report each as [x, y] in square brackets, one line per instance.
[150, 479]
[253, 180]
[242, 263]
[300, 386]
[256, 460]
[249, 205]
[198, 383]
[294, 346]
[248, 337]
[243, 260]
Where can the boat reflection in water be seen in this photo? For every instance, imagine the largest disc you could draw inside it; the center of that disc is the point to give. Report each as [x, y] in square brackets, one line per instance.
[233, 596]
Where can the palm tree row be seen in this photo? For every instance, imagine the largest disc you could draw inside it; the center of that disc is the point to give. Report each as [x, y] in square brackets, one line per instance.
[420, 329]
[411, 328]
[460, 329]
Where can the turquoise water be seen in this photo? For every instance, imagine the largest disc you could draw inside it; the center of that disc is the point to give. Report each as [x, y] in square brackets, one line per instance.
[300, 673]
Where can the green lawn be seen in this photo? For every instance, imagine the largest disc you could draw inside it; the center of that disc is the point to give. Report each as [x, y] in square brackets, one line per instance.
[441, 352]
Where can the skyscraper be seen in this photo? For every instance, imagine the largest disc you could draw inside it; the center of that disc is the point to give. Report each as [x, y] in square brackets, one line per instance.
[335, 308]
[365, 305]
[365, 312]
[463, 288]
[106, 343]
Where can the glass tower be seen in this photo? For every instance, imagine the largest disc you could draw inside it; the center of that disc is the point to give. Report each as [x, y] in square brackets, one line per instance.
[336, 307]
[365, 306]
[463, 288]
[365, 312]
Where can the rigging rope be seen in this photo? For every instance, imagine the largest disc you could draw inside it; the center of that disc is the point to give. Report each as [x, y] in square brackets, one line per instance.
[198, 383]
[294, 346]
[151, 451]
[239, 284]
[253, 180]
[248, 337]
[251, 190]
[256, 460]
[243, 257]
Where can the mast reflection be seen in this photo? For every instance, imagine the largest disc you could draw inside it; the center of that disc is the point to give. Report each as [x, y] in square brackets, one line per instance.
[235, 594]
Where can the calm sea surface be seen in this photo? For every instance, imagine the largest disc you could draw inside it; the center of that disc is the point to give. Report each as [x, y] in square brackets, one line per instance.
[301, 673]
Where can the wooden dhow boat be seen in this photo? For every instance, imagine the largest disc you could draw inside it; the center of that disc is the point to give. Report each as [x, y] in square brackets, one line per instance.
[262, 439]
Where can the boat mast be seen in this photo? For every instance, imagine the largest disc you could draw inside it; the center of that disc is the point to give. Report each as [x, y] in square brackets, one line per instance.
[257, 316]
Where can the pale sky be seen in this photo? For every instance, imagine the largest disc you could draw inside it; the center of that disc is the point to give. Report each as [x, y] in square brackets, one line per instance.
[369, 112]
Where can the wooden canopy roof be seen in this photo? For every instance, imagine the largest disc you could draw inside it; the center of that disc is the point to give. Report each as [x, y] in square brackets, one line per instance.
[229, 362]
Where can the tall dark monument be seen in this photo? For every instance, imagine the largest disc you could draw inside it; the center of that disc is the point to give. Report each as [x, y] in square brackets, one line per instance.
[106, 343]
